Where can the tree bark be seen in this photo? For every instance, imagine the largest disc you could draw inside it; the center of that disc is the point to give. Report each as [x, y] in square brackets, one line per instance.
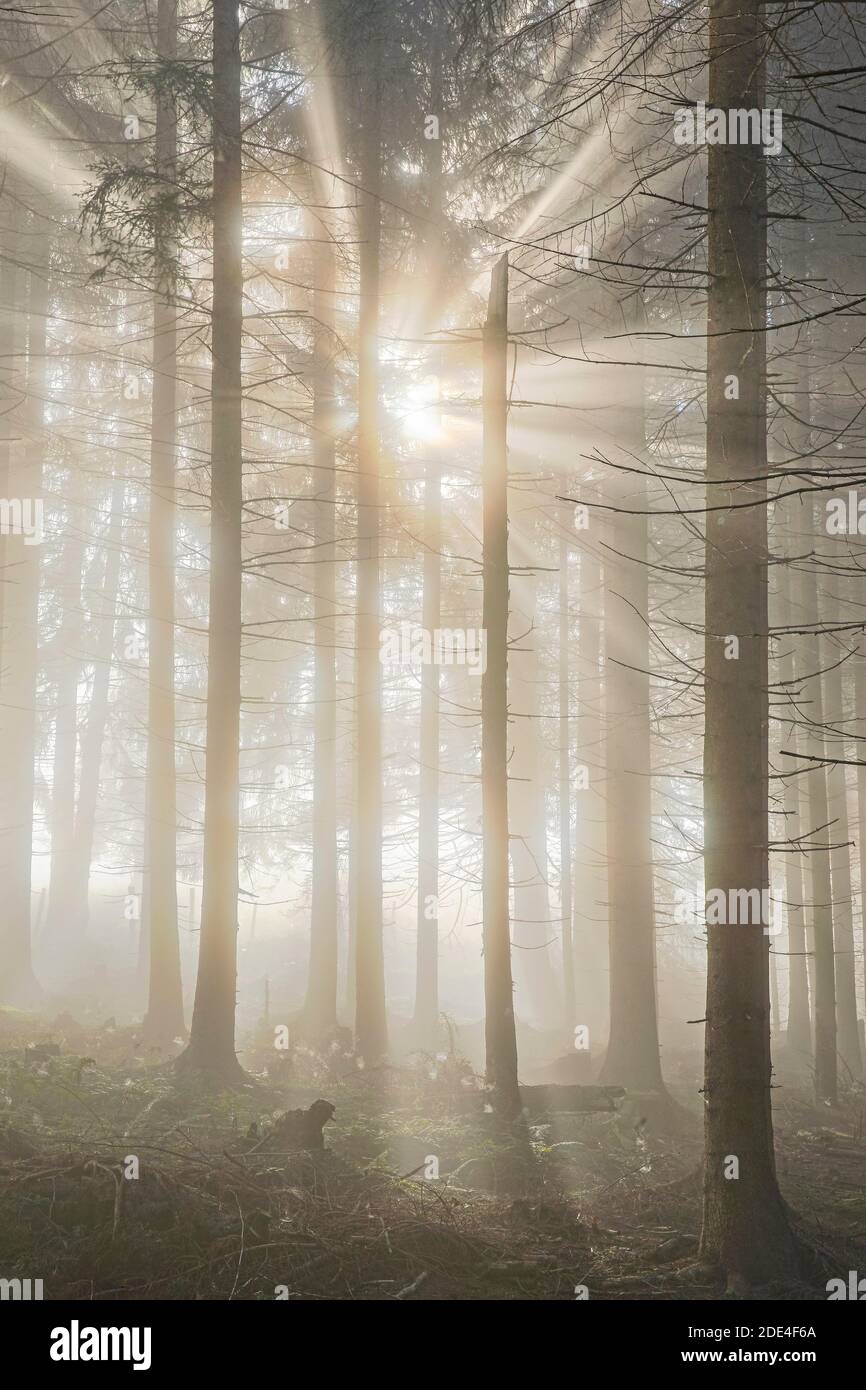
[371, 1031]
[18, 985]
[826, 1070]
[10, 347]
[426, 1017]
[536, 996]
[632, 1057]
[860, 727]
[211, 1045]
[848, 1029]
[499, 1029]
[320, 1006]
[798, 1033]
[61, 926]
[164, 1019]
[93, 735]
[565, 840]
[590, 917]
[745, 1224]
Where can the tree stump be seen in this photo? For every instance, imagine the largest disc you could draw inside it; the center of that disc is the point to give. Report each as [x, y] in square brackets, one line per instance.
[297, 1129]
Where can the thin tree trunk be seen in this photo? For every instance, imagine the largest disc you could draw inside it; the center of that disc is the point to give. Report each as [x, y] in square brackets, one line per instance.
[371, 1032]
[427, 961]
[500, 1035]
[19, 642]
[320, 1007]
[565, 843]
[212, 1035]
[775, 1017]
[426, 1017]
[164, 1019]
[61, 929]
[590, 925]
[798, 1033]
[536, 996]
[632, 1058]
[349, 987]
[745, 1224]
[820, 837]
[860, 730]
[93, 736]
[848, 1029]
[10, 281]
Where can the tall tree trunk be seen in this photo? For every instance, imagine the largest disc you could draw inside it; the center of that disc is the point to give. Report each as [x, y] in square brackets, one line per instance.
[819, 840]
[10, 346]
[212, 1035]
[19, 643]
[371, 1033]
[349, 984]
[565, 844]
[537, 999]
[860, 730]
[61, 928]
[589, 927]
[426, 1017]
[775, 1016]
[93, 736]
[798, 1033]
[632, 1058]
[499, 1030]
[320, 1007]
[848, 1029]
[164, 1018]
[745, 1224]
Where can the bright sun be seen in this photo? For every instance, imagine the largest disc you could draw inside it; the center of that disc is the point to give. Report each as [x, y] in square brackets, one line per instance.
[420, 411]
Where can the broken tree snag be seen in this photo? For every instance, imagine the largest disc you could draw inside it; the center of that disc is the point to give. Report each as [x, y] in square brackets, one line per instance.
[541, 1100]
[297, 1129]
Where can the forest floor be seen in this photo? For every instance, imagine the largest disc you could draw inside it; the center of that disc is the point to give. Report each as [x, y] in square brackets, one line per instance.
[606, 1202]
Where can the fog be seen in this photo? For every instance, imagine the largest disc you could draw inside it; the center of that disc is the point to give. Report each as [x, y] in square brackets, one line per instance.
[432, 671]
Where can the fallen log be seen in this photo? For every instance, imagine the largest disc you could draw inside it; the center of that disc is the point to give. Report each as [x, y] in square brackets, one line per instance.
[548, 1100]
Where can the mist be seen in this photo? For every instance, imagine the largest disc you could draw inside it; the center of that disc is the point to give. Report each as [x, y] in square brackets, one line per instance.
[432, 666]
